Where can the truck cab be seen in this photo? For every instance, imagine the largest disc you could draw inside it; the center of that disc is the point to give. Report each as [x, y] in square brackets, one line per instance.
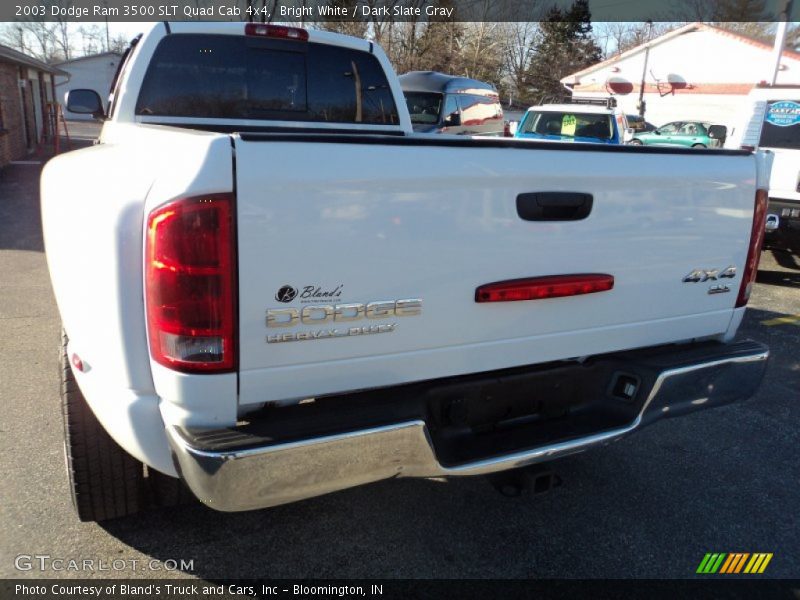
[581, 120]
[439, 103]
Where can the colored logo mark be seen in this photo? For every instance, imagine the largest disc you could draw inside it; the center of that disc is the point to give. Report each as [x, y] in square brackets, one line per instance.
[784, 114]
[733, 563]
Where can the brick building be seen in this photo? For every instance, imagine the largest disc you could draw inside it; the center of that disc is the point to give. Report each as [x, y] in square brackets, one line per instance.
[26, 87]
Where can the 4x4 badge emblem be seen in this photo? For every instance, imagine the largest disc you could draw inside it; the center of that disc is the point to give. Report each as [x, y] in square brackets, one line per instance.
[700, 275]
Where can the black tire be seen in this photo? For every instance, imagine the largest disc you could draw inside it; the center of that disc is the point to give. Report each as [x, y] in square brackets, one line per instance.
[169, 491]
[635, 142]
[696, 146]
[106, 482]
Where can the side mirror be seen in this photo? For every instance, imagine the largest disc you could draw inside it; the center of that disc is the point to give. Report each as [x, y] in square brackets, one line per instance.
[656, 131]
[718, 132]
[453, 120]
[85, 102]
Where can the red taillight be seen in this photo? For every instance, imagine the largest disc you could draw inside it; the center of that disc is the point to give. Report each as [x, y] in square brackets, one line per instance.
[276, 31]
[748, 148]
[190, 284]
[754, 251]
[538, 288]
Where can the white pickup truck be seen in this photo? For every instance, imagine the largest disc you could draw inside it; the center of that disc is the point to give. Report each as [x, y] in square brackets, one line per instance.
[272, 289]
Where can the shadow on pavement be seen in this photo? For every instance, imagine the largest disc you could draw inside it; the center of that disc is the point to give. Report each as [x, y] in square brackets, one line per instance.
[786, 259]
[20, 218]
[20, 215]
[782, 278]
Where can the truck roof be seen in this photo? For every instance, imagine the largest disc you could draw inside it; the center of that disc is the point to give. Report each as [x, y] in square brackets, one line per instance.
[435, 82]
[237, 28]
[581, 108]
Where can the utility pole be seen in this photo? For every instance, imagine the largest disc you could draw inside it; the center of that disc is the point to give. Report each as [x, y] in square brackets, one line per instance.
[780, 41]
[641, 104]
[108, 40]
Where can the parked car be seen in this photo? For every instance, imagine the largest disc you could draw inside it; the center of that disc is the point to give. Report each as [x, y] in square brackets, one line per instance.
[588, 120]
[285, 291]
[638, 124]
[440, 103]
[770, 120]
[689, 134]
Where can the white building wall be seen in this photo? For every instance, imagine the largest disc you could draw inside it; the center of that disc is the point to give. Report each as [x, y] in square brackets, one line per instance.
[94, 73]
[719, 109]
[702, 75]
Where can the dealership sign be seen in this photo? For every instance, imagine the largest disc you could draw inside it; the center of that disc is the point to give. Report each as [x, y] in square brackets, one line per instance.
[783, 114]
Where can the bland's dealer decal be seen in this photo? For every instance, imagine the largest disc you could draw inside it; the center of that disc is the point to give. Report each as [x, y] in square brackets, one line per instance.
[308, 293]
[334, 316]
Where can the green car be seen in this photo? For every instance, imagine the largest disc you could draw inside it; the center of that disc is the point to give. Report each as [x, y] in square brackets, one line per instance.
[689, 134]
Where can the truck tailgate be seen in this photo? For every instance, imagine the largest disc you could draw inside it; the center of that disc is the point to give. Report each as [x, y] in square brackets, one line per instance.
[351, 221]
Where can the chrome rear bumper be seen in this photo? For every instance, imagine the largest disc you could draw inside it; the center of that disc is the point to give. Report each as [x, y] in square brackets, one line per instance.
[234, 479]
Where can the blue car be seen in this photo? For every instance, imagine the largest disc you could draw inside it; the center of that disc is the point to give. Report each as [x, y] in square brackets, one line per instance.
[583, 121]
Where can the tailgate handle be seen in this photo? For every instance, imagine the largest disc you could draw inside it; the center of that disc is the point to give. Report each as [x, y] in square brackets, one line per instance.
[554, 206]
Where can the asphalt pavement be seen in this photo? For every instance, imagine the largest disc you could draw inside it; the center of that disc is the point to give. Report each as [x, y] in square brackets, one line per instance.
[651, 505]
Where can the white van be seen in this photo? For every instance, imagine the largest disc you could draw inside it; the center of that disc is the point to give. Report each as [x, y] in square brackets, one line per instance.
[770, 120]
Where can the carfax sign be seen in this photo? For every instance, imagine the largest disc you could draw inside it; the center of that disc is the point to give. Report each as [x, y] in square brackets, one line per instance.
[784, 113]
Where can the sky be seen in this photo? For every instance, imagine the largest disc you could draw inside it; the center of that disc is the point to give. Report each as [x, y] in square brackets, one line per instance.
[129, 30]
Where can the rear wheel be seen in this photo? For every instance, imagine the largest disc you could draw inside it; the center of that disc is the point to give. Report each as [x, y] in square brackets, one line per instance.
[635, 142]
[699, 146]
[105, 481]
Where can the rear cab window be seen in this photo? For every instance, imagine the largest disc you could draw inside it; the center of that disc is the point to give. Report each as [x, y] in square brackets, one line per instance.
[236, 77]
[424, 107]
[781, 128]
[570, 124]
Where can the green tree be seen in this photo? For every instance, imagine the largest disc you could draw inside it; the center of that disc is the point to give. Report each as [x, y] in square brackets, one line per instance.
[731, 11]
[564, 44]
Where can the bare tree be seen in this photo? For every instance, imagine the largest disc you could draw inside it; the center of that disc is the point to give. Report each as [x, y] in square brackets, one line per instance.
[406, 48]
[624, 36]
[61, 38]
[348, 26]
[381, 28]
[763, 32]
[118, 43]
[518, 38]
[93, 39]
[793, 38]
[740, 11]
[483, 51]
[41, 38]
[13, 36]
